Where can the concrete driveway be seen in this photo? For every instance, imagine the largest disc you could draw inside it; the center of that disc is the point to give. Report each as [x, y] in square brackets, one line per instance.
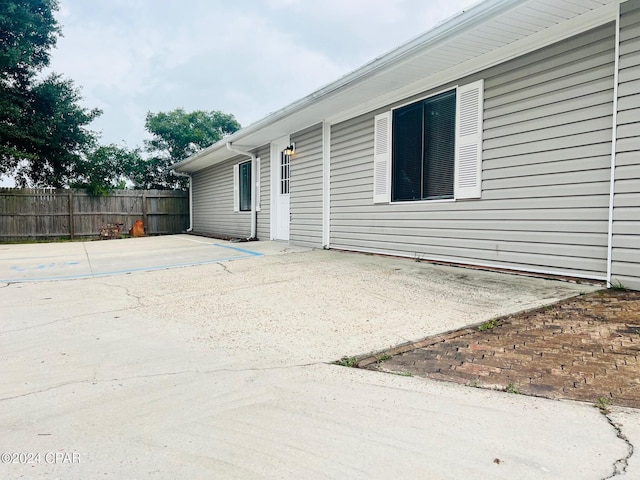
[222, 369]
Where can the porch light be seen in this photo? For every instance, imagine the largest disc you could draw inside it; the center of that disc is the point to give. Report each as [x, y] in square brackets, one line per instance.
[290, 150]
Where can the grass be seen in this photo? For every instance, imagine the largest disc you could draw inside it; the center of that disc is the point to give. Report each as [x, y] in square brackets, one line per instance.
[351, 362]
[383, 358]
[29, 241]
[489, 324]
[617, 285]
[36, 240]
[511, 388]
[602, 404]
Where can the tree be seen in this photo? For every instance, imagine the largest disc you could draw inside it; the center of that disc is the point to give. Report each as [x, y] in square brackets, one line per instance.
[28, 30]
[154, 173]
[52, 133]
[105, 168]
[42, 126]
[175, 136]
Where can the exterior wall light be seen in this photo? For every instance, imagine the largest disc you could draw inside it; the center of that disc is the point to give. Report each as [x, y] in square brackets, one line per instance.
[290, 150]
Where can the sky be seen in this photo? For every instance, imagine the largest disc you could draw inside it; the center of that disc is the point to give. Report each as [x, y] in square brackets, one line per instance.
[244, 57]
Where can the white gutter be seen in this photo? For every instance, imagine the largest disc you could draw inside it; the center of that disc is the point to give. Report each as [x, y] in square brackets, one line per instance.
[182, 174]
[614, 138]
[254, 214]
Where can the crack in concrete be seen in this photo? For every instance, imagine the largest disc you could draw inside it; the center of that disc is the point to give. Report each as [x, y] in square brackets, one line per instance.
[224, 267]
[84, 246]
[127, 293]
[620, 465]
[64, 319]
[138, 299]
[154, 375]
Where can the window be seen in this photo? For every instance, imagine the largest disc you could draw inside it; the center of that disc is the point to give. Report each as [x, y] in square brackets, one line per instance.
[244, 182]
[423, 149]
[285, 173]
[430, 149]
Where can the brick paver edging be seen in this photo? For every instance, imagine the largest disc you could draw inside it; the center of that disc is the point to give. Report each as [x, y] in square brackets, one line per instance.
[584, 348]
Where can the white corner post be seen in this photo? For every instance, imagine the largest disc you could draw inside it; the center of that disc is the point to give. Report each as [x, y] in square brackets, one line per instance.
[614, 150]
[326, 184]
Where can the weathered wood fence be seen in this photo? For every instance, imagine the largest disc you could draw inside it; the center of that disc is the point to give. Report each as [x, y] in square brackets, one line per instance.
[50, 213]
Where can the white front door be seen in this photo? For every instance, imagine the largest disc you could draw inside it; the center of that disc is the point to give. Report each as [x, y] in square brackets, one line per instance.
[281, 178]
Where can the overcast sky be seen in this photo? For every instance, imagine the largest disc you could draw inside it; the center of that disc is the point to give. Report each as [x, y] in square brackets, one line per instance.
[245, 57]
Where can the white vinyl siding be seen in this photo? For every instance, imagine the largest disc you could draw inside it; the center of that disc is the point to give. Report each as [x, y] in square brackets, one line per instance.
[306, 188]
[545, 171]
[626, 215]
[213, 202]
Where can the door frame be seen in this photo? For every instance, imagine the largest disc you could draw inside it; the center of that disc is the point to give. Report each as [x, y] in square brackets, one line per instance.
[277, 146]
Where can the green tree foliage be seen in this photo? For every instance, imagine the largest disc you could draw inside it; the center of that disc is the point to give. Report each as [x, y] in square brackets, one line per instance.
[154, 173]
[28, 31]
[42, 126]
[53, 136]
[105, 168]
[174, 136]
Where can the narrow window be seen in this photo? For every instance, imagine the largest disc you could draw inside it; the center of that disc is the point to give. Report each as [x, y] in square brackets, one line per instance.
[245, 186]
[285, 173]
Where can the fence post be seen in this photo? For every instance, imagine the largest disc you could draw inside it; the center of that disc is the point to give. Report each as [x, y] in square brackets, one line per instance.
[144, 212]
[72, 227]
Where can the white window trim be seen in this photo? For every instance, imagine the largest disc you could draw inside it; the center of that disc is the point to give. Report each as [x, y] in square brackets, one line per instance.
[236, 187]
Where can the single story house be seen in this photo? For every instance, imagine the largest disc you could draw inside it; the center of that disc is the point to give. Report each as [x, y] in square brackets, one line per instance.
[507, 137]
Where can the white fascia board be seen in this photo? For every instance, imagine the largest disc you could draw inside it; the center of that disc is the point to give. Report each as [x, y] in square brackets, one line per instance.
[533, 42]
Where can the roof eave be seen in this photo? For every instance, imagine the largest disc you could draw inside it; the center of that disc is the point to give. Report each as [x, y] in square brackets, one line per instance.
[456, 23]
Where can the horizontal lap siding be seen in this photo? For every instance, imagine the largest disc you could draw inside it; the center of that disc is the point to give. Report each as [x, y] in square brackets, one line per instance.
[626, 228]
[306, 188]
[546, 158]
[213, 202]
[264, 215]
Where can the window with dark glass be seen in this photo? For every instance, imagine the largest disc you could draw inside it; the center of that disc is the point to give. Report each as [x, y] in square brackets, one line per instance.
[285, 173]
[423, 149]
[244, 171]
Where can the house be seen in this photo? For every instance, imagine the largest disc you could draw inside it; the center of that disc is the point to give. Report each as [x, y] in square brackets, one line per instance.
[507, 136]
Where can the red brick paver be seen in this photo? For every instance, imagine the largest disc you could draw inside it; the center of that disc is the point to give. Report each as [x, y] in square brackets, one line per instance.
[579, 349]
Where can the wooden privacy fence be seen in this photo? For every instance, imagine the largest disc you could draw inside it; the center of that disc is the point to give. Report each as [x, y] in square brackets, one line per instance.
[50, 213]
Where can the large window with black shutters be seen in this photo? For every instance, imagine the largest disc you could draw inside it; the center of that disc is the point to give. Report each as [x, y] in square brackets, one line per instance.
[423, 149]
